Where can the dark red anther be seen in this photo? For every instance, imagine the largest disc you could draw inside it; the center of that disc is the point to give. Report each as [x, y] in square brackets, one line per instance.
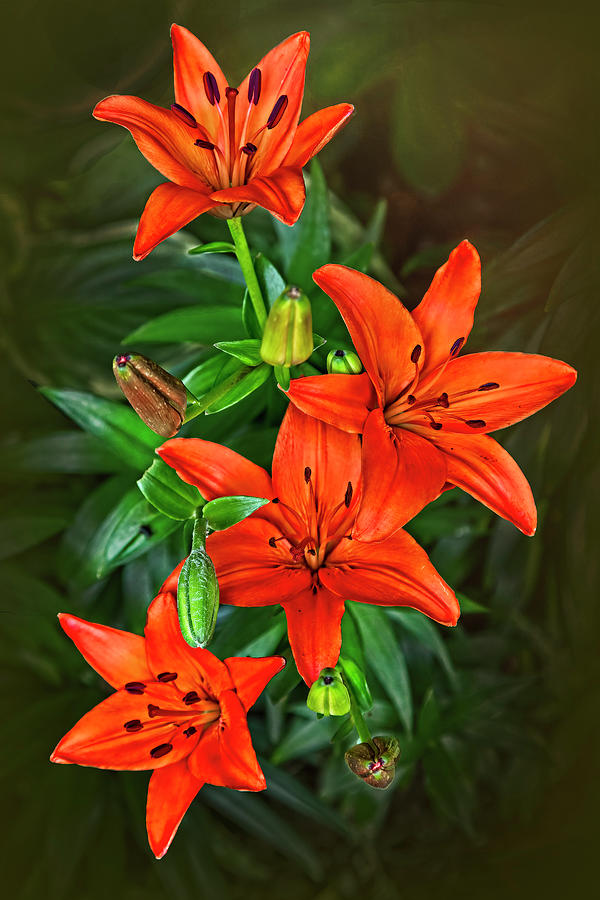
[307, 473]
[184, 115]
[135, 687]
[348, 495]
[161, 750]
[456, 346]
[277, 112]
[488, 386]
[275, 500]
[167, 676]
[249, 149]
[254, 83]
[122, 360]
[411, 399]
[206, 145]
[153, 710]
[190, 731]
[312, 551]
[437, 426]
[272, 542]
[133, 725]
[475, 423]
[211, 88]
[443, 400]
[414, 356]
[191, 697]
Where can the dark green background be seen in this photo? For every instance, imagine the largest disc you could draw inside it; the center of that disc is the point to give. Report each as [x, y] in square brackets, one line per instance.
[473, 119]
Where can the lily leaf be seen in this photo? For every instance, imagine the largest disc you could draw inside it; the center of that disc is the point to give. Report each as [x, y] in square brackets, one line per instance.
[247, 350]
[272, 284]
[282, 376]
[224, 512]
[164, 489]
[213, 247]
[196, 324]
[313, 243]
[249, 381]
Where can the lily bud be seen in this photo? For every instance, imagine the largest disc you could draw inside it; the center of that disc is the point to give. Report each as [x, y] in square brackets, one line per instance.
[198, 598]
[329, 695]
[288, 338]
[159, 399]
[374, 761]
[342, 362]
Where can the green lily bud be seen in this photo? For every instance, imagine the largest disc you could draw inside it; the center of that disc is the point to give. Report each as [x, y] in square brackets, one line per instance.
[198, 598]
[329, 695]
[288, 338]
[159, 399]
[343, 362]
[374, 761]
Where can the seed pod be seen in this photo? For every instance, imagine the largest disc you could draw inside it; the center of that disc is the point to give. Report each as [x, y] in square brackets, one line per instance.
[288, 338]
[329, 695]
[158, 398]
[343, 362]
[375, 761]
[198, 598]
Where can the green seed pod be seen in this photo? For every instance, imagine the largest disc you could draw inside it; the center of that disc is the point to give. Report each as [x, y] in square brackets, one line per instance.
[374, 761]
[329, 695]
[158, 398]
[343, 362]
[288, 338]
[198, 598]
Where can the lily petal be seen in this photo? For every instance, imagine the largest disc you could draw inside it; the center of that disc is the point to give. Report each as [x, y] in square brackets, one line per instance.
[167, 651]
[394, 572]
[251, 676]
[482, 468]
[282, 193]
[168, 208]
[525, 383]
[165, 141]
[224, 756]
[191, 60]
[402, 472]
[314, 630]
[215, 470]
[382, 330]
[445, 314]
[316, 131]
[118, 656]
[340, 400]
[170, 792]
[100, 738]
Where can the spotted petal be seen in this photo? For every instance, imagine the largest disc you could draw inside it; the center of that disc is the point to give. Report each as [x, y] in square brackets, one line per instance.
[282, 193]
[251, 676]
[118, 656]
[170, 792]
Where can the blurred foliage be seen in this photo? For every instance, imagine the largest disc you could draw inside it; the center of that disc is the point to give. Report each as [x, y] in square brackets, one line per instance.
[473, 119]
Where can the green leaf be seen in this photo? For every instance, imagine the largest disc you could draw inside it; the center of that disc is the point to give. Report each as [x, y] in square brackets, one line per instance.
[303, 737]
[249, 320]
[61, 451]
[417, 624]
[115, 424]
[193, 324]
[470, 606]
[284, 788]
[247, 350]
[360, 259]
[248, 632]
[227, 511]
[282, 376]
[358, 682]
[248, 382]
[18, 532]
[313, 243]
[213, 247]
[164, 489]
[272, 284]
[385, 657]
[318, 341]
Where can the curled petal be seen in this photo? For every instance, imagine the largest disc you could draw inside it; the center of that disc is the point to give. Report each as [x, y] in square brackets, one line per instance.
[170, 792]
[282, 193]
[191, 60]
[340, 400]
[169, 208]
[316, 131]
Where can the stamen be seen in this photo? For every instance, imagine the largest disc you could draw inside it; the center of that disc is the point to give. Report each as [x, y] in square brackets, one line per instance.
[161, 750]
[249, 149]
[348, 495]
[211, 88]
[277, 112]
[475, 423]
[307, 473]
[275, 500]
[443, 400]
[488, 386]
[311, 551]
[190, 731]
[182, 113]
[206, 145]
[191, 697]
[456, 346]
[254, 83]
[135, 687]
[133, 725]
[414, 356]
[437, 426]
[411, 399]
[272, 543]
[167, 676]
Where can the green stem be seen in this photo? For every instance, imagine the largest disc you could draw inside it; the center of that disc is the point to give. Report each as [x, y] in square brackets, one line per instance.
[357, 717]
[199, 532]
[197, 405]
[247, 266]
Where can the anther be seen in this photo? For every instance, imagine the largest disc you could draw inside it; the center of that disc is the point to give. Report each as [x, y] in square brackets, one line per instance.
[475, 423]
[206, 145]
[191, 697]
[275, 500]
[488, 386]
[211, 88]
[311, 551]
[272, 542]
[167, 676]
[456, 346]
[348, 495]
[161, 750]
[443, 400]
[437, 426]
[133, 725]
[307, 473]
[254, 83]
[411, 399]
[182, 113]
[414, 356]
[249, 149]
[277, 112]
[135, 687]
[190, 731]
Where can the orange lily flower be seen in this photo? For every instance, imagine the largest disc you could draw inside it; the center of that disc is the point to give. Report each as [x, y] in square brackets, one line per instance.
[224, 149]
[424, 411]
[178, 711]
[299, 550]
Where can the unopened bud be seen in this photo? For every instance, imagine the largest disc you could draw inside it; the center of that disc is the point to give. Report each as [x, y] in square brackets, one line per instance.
[343, 362]
[158, 397]
[288, 338]
[329, 695]
[198, 598]
[374, 761]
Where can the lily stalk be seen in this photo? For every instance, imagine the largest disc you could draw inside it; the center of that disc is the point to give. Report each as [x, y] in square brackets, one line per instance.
[244, 258]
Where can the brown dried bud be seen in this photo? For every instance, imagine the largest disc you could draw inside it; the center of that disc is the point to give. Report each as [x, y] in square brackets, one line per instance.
[158, 397]
[375, 761]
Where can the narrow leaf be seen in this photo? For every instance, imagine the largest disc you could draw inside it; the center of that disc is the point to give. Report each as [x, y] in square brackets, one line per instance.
[213, 247]
[247, 350]
[227, 511]
[164, 489]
